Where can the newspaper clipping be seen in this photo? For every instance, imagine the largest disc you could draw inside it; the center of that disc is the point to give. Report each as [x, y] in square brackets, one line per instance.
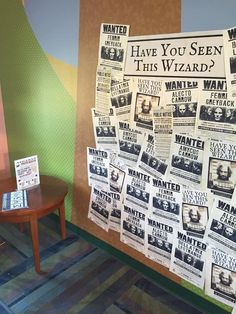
[137, 189]
[98, 167]
[195, 212]
[188, 258]
[221, 281]
[117, 173]
[229, 37]
[99, 208]
[27, 172]
[158, 240]
[133, 227]
[221, 227]
[115, 216]
[113, 47]
[220, 167]
[103, 87]
[146, 98]
[147, 161]
[163, 130]
[105, 130]
[186, 160]
[216, 113]
[121, 97]
[130, 141]
[182, 97]
[166, 200]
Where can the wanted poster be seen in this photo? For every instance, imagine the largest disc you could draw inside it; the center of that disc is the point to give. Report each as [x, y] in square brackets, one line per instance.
[133, 227]
[158, 240]
[181, 55]
[220, 168]
[182, 97]
[221, 227]
[130, 142]
[27, 172]
[98, 167]
[163, 130]
[146, 97]
[137, 189]
[113, 47]
[229, 38]
[99, 208]
[221, 280]
[103, 86]
[186, 160]
[216, 113]
[105, 130]
[166, 200]
[195, 212]
[148, 161]
[116, 206]
[117, 173]
[188, 258]
[121, 97]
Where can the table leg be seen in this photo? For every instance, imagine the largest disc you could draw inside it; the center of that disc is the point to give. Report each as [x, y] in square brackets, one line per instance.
[62, 221]
[35, 242]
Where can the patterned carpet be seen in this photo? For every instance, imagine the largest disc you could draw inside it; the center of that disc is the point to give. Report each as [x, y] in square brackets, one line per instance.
[80, 278]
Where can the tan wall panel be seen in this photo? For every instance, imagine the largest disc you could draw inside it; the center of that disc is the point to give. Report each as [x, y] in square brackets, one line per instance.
[145, 18]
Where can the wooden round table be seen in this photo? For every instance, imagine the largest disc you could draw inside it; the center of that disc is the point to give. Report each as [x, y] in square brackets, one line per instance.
[43, 199]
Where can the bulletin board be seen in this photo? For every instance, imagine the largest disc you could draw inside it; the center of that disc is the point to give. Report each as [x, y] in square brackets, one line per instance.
[145, 18]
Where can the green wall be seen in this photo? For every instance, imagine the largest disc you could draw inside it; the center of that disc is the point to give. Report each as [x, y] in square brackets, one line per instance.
[39, 112]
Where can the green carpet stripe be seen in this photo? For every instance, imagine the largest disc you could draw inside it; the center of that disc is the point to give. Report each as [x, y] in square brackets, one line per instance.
[29, 280]
[98, 290]
[47, 292]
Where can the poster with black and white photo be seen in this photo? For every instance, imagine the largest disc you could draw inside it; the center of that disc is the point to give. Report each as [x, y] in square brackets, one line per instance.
[130, 142]
[158, 240]
[181, 55]
[99, 207]
[163, 130]
[133, 227]
[188, 258]
[121, 97]
[166, 200]
[220, 168]
[113, 47]
[186, 160]
[195, 211]
[182, 97]
[229, 38]
[221, 280]
[105, 130]
[117, 173]
[98, 167]
[148, 161]
[146, 98]
[136, 189]
[221, 228]
[27, 172]
[116, 206]
[216, 113]
[103, 87]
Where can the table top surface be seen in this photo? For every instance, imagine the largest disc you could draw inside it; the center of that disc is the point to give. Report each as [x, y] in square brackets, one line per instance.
[49, 194]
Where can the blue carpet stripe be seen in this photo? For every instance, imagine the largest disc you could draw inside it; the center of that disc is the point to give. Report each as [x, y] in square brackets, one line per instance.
[4, 309]
[74, 294]
[107, 297]
[29, 262]
[64, 280]
[60, 268]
